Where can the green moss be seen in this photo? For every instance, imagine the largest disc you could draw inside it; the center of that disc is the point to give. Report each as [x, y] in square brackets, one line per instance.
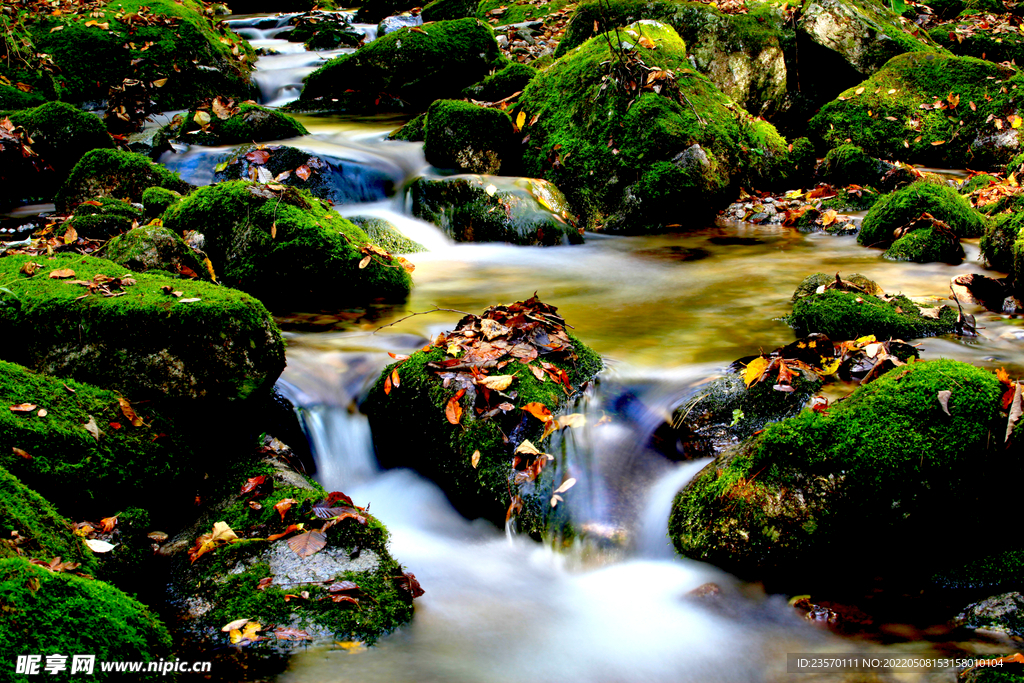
[518, 11]
[801, 162]
[1000, 570]
[442, 10]
[848, 164]
[463, 136]
[1015, 164]
[198, 58]
[111, 217]
[49, 613]
[406, 69]
[152, 247]
[845, 201]
[410, 430]
[146, 343]
[252, 123]
[12, 98]
[413, 131]
[997, 242]
[926, 246]
[31, 527]
[372, 11]
[387, 236]
[977, 182]
[113, 173]
[839, 315]
[905, 205]
[311, 259]
[501, 84]
[889, 111]
[811, 283]
[965, 38]
[608, 153]
[158, 199]
[948, 9]
[882, 464]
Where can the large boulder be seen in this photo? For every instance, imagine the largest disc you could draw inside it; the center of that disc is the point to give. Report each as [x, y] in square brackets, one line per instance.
[891, 464]
[637, 151]
[405, 70]
[900, 209]
[81, 317]
[929, 108]
[60, 613]
[228, 124]
[328, 573]
[470, 139]
[117, 174]
[103, 218]
[62, 134]
[473, 208]
[176, 46]
[287, 248]
[850, 315]
[502, 83]
[474, 410]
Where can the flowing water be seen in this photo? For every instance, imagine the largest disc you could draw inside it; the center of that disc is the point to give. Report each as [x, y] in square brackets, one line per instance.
[667, 312]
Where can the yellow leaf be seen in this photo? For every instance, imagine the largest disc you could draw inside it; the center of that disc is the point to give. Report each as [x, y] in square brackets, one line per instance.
[475, 460]
[520, 120]
[453, 349]
[754, 370]
[573, 420]
[647, 43]
[858, 91]
[497, 382]
[1016, 121]
[829, 217]
[202, 118]
[160, 82]
[829, 366]
[350, 645]
[365, 262]
[865, 340]
[209, 268]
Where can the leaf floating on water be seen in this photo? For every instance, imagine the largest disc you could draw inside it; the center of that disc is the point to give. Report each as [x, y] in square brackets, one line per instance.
[944, 401]
[308, 543]
[573, 420]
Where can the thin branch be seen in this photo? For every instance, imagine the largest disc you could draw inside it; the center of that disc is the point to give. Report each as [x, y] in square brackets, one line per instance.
[435, 309]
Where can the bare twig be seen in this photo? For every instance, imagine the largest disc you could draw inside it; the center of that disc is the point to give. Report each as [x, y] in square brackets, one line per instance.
[435, 309]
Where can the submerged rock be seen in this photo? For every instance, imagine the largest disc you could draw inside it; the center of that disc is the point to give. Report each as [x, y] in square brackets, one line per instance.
[881, 466]
[88, 322]
[479, 438]
[471, 139]
[344, 586]
[1003, 613]
[639, 161]
[473, 208]
[405, 70]
[287, 248]
[112, 173]
[850, 315]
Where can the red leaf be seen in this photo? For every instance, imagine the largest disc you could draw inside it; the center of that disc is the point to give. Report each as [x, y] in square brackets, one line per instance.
[258, 156]
[252, 483]
[303, 172]
[335, 496]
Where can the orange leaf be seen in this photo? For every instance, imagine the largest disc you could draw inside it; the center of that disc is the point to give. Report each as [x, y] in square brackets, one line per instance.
[453, 411]
[284, 505]
[129, 412]
[21, 453]
[387, 385]
[23, 408]
[308, 543]
[396, 381]
[108, 524]
[61, 273]
[539, 411]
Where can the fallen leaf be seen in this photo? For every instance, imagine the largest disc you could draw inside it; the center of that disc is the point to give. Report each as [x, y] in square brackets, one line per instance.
[98, 546]
[252, 482]
[647, 43]
[474, 460]
[129, 412]
[396, 381]
[93, 428]
[25, 454]
[539, 411]
[1016, 408]
[234, 625]
[160, 82]
[284, 506]
[23, 408]
[754, 370]
[202, 118]
[520, 120]
[387, 385]
[365, 261]
[61, 273]
[308, 543]
[42, 412]
[303, 172]
[108, 524]
[566, 485]
[453, 410]
[264, 583]
[573, 420]
[497, 382]
[291, 634]
[258, 156]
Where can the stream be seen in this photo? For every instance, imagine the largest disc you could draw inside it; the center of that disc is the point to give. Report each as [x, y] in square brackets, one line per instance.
[667, 312]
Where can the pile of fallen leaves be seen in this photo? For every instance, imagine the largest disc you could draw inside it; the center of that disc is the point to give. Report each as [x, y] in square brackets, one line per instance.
[16, 153]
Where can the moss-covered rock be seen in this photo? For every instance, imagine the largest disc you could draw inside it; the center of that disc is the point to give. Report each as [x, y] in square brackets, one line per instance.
[117, 174]
[499, 13]
[850, 315]
[60, 613]
[997, 242]
[911, 100]
[848, 164]
[972, 36]
[62, 134]
[12, 98]
[213, 342]
[444, 10]
[927, 246]
[636, 162]
[412, 131]
[337, 180]
[414, 423]
[287, 248]
[471, 139]
[387, 236]
[885, 464]
[906, 205]
[501, 84]
[156, 200]
[977, 182]
[104, 217]
[32, 528]
[948, 9]
[816, 284]
[252, 123]
[1003, 613]
[405, 70]
[473, 208]
[225, 582]
[372, 11]
[153, 247]
[801, 163]
[149, 40]
[994, 571]
[324, 31]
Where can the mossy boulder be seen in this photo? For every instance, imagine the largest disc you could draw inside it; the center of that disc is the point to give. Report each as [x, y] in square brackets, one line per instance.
[971, 36]
[149, 40]
[62, 133]
[474, 208]
[817, 283]
[104, 217]
[742, 54]
[906, 205]
[117, 174]
[927, 246]
[48, 613]
[423, 424]
[502, 83]
[286, 248]
[156, 200]
[468, 138]
[324, 31]
[252, 123]
[997, 242]
[923, 100]
[405, 70]
[1003, 613]
[850, 315]
[337, 180]
[443, 10]
[229, 581]
[387, 236]
[637, 162]
[412, 131]
[849, 164]
[11, 98]
[949, 9]
[86, 475]
[154, 247]
[801, 163]
[32, 528]
[214, 342]
[977, 182]
[886, 464]
[372, 11]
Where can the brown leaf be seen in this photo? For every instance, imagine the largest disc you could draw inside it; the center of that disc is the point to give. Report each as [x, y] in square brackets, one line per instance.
[264, 583]
[303, 172]
[71, 236]
[23, 408]
[284, 506]
[453, 410]
[407, 582]
[21, 453]
[61, 273]
[108, 524]
[291, 634]
[539, 411]
[92, 428]
[252, 482]
[365, 262]
[258, 156]
[308, 543]
[129, 412]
